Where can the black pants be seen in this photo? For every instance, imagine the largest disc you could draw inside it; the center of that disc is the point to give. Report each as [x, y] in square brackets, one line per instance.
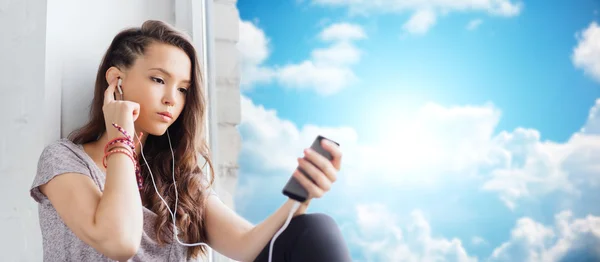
[308, 238]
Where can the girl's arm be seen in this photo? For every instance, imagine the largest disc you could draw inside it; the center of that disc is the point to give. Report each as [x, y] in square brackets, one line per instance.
[234, 237]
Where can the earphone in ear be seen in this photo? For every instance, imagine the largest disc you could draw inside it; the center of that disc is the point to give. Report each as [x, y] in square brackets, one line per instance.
[119, 86]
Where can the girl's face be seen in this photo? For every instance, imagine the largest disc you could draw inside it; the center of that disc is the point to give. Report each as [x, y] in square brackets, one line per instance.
[159, 82]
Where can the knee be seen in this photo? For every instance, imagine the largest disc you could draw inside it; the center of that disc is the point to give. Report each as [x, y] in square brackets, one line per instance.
[319, 227]
[321, 237]
[317, 221]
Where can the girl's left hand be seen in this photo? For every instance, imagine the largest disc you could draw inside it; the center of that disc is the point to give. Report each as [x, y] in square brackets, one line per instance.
[320, 169]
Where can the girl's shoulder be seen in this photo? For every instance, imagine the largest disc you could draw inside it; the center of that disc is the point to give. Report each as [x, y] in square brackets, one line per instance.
[59, 157]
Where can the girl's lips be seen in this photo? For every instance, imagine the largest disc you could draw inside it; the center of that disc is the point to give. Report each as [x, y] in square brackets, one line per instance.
[165, 117]
[166, 113]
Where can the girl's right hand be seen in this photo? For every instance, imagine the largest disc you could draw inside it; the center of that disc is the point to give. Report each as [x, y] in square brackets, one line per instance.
[122, 113]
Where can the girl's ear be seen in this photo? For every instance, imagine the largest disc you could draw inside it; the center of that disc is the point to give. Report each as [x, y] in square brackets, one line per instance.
[113, 73]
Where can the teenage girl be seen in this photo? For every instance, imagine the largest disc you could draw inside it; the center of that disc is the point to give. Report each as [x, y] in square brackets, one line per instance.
[129, 186]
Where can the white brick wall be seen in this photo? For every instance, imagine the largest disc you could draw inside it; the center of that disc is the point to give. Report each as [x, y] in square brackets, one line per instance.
[226, 31]
[226, 25]
[228, 65]
[228, 95]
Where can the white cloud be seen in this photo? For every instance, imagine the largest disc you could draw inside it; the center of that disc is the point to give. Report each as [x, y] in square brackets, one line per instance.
[337, 55]
[494, 7]
[274, 143]
[569, 240]
[586, 55]
[593, 122]
[527, 167]
[505, 8]
[524, 163]
[327, 71]
[420, 22]
[253, 43]
[581, 162]
[435, 145]
[253, 49]
[478, 241]
[374, 219]
[323, 79]
[342, 32]
[424, 12]
[474, 24]
[270, 147]
[382, 239]
[435, 142]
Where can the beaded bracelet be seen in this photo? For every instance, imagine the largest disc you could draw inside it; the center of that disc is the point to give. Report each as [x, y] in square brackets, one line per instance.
[123, 131]
[127, 141]
[124, 151]
[138, 176]
[119, 142]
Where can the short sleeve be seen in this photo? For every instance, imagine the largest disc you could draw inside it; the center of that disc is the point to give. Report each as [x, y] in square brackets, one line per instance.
[56, 159]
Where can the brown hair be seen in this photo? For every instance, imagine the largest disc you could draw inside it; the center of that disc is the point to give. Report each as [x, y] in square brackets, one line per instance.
[187, 135]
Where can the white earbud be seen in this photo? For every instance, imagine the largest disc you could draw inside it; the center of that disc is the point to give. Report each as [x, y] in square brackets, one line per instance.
[119, 86]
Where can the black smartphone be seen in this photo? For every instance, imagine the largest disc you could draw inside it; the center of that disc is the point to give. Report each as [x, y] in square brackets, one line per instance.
[293, 189]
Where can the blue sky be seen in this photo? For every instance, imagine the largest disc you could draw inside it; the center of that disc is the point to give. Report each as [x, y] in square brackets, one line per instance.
[469, 130]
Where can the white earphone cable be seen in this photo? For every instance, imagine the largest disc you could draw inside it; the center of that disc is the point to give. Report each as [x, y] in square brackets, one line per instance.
[287, 222]
[173, 213]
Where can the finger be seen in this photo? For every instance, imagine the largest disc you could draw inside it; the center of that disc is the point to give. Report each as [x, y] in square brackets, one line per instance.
[322, 163]
[109, 93]
[335, 152]
[313, 190]
[319, 177]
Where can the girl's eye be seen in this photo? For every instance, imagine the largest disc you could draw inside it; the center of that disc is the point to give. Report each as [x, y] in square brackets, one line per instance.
[158, 80]
[183, 90]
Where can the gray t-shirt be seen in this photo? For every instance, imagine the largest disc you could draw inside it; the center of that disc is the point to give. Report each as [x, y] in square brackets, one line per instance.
[59, 242]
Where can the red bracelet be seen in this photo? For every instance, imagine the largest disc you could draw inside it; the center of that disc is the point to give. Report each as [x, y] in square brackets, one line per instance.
[117, 141]
[128, 141]
[126, 152]
[123, 131]
[117, 146]
[138, 176]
